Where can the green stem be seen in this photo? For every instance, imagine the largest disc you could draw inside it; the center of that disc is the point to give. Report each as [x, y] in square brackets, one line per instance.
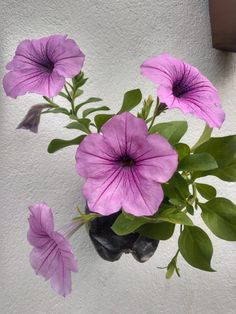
[53, 104]
[206, 134]
[175, 257]
[155, 114]
[71, 99]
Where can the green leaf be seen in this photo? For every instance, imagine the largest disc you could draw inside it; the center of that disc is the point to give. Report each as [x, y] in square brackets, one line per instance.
[183, 150]
[80, 124]
[88, 101]
[78, 77]
[57, 144]
[196, 248]
[158, 231]
[205, 190]
[226, 173]
[79, 80]
[172, 131]
[190, 209]
[59, 110]
[78, 93]
[198, 162]
[91, 110]
[131, 99]
[64, 95]
[170, 269]
[176, 189]
[223, 149]
[203, 138]
[174, 216]
[125, 224]
[219, 214]
[101, 119]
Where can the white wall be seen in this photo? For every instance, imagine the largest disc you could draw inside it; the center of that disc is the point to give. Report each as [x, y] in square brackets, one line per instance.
[116, 36]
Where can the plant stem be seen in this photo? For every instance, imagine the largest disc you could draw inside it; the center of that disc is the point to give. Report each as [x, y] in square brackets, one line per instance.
[155, 114]
[53, 104]
[71, 99]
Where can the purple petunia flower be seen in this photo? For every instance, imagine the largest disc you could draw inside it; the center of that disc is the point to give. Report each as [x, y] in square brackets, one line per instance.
[125, 167]
[32, 118]
[51, 257]
[183, 86]
[41, 66]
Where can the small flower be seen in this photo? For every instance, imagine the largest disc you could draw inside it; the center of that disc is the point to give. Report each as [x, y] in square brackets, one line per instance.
[51, 257]
[32, 118]
[183, 86]
[41, 66]
[125, 167]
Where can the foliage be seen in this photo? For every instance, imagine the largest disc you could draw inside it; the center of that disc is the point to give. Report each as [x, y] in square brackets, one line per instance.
[184, 193]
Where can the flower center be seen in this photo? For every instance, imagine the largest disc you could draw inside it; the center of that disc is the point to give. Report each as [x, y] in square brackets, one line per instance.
[48, 65]
[126, 161]
[179, 89]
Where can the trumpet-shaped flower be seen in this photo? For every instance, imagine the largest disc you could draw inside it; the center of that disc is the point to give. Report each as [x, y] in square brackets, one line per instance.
[183, 86]
[52, 256]
[41, 66]
[125, 167]
[32, 118]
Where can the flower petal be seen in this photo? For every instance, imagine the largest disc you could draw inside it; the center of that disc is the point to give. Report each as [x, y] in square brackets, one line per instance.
[199, 107]
[159, 69]
[25, 58]
[45, 260]
[156, 159]
[142, 196]
[105, 194]
[68, 58]
[124, 133]
[94, 157]
[41, 224]
[61, 280]
[19, 83]
[66, 252]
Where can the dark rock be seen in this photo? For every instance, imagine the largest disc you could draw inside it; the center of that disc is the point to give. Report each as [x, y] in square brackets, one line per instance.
[144, 248]
[110, 246]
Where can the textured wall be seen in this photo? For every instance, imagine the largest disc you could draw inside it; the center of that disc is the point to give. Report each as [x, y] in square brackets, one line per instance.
[116, 37]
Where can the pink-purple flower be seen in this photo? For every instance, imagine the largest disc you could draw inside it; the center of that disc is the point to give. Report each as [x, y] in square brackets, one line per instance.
[41, 66]
[32, 118]
[124, 167]
[183, 86]
[52, 256]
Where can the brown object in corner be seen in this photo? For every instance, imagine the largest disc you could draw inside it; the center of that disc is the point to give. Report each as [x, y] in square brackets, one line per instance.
[223, 24]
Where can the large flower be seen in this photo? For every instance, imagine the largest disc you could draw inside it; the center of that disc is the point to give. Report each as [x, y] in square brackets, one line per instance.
[183, 86]
[41, 66]
[125, 167]
[51, 256]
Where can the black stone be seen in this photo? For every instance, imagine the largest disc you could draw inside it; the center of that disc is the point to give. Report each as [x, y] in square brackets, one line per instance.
[143, 248]
[110, 246]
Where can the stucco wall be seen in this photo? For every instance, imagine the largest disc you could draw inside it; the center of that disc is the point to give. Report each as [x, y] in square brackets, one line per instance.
[116, 36]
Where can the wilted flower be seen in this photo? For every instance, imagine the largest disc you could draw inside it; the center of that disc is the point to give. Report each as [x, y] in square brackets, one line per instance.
[32, 118]
[125, 167]
[41, 66]
[183, 86]
[52, 256]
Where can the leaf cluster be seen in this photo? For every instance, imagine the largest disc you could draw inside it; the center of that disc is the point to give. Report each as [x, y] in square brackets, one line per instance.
[184, 194]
